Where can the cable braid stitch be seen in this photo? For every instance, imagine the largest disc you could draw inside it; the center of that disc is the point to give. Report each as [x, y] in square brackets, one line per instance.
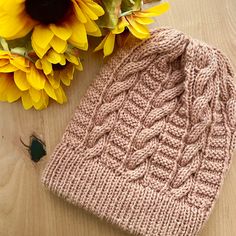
[146, 141]
[124, 79]
[154, 124]
[224, 102]
[200, 92]
[112, 102]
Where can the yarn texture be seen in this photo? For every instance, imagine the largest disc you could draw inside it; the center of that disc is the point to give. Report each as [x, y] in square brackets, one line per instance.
[152, 139]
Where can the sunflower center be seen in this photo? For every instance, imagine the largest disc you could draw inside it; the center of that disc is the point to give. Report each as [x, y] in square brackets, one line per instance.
[47, 11]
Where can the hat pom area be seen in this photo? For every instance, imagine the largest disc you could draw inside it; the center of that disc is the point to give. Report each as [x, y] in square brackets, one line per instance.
[152, 139]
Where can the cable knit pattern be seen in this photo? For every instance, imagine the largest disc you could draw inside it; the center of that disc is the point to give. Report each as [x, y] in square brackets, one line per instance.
[152, 139]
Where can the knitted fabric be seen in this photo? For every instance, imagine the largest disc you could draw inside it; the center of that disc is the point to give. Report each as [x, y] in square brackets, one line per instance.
[150, 142]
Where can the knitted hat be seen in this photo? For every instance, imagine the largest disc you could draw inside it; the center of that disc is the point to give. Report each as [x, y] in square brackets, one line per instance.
[149, 144]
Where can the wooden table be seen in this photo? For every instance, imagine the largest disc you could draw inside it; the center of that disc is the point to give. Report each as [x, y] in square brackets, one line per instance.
[28, 209]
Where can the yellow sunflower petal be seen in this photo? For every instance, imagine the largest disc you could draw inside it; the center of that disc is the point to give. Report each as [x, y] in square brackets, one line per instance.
[14, 27]
[20, 63]
[35, 78]
[71, 58]
[92, 28]
[138, 27]
[96, 8]
[21, 80]
[123, 23]
[63, 61]
[74, 60]
[79, 13]
[60, 94]
[50, 91]
[38, 64]
[42, 36]
[38, 105]
[58, 44]
[39, 51]
[154, 11]
[109, 44]
[144, 20]
[101, 44]
[87, 11]
[26, 100]
[3, 62]
[3, 96]
[53, 57]
[66, 81]
[79, 67]
[54, 80]
[13, 93]
[120, 26]
[79, 35]
[118, 30]
[43, 101]
[63, 32]
[97, 33]
[4, 54]
[5, 81]
[35, 94]
[67, 75]
[8, 68]
[46, 66]
[12, 7]
[136, 33]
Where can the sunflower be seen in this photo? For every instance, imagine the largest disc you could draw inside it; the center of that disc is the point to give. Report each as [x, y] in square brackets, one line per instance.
[57, 22]
[53, 61]
[21, 79]
[59, 67]
[136, 22]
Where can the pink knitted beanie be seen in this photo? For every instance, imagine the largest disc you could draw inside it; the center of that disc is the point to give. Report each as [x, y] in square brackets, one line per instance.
[149, 144]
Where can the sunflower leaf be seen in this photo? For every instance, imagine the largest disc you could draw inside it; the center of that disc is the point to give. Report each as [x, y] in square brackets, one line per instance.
[112, 13]
[24, 42]
[128, 6]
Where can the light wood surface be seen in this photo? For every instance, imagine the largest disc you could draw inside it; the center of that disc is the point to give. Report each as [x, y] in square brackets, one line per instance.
[28, 209]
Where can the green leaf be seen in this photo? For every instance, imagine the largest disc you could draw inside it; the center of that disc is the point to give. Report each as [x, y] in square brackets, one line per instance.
[112, 13]
[128, 6]
[24, 42]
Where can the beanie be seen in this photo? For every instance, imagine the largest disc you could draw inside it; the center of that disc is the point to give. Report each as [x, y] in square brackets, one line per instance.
[149, 144]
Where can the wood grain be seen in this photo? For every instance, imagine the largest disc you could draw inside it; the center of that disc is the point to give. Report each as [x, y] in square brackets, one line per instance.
[27, 209]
